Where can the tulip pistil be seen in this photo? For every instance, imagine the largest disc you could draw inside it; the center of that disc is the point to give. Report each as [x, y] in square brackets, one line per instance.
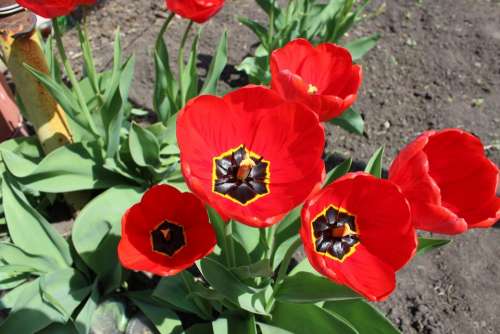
[312, 89]
[335, 233]
[241, 175]
[168, 238]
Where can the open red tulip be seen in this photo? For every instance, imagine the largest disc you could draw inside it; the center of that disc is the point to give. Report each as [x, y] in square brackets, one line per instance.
[357, 232]
[53, 8]
[198, 11]
[165, 233]
[251, 155]
[322, 77]
[450, 183]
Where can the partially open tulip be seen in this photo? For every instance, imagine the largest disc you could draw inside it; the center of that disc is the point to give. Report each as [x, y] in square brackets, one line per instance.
[198, 11]
[53, 8]
[165, 233]
[450, 183]
[357, 232]
[250, 155]
[322, 77]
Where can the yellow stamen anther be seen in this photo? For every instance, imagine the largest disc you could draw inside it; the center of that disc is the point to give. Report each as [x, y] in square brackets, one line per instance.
[312, 89]
[246, 166]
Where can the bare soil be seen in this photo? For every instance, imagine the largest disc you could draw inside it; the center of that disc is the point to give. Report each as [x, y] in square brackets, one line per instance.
[436, 66]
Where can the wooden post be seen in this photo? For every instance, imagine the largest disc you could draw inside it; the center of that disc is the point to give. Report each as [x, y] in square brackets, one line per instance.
[21, 45]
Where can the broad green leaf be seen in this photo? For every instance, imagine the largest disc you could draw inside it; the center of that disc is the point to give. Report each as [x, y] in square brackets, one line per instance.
[189, 77]
[69, 168]
[164, 319]
[282, 250]
[308, 318]
[173, 291]
[83, 321]
[258, 29]
[227, 284]
[14, 255]
[309, 288]
[374, 165]
[248, 237]
[361, 46]
[28, 229]
[30, 313]
[351, 121]
[268, 329]
[339, 170]
[362, 316]
[114, 114]
[64, 290]
[97, 231]
[427, 244]
[218, 64]
[68, 102]
[257, 69]
[144, 146]
[56, 328]
[88, 59]
[27, 147]
[261, 268]
[110, 316]
[303, 266]
[203, 328]
[235, 324]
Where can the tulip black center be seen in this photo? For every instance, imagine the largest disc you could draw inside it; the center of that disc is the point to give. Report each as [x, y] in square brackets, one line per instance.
[335, 233]
[168, 238]
[241, 175]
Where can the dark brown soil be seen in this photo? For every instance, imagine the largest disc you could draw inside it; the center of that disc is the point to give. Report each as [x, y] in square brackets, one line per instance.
[436, 66]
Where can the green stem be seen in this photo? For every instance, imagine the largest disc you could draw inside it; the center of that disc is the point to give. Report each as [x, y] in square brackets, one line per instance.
[72, 77]
[164, 29]
[271, 27]
[286, 262]
[230, 244]
[181, 60]
[196, 299]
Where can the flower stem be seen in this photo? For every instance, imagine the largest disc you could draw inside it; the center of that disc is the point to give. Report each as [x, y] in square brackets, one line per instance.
[286, 262]
[164, 28]
[72, 77]
[181, 60]
[201, 306]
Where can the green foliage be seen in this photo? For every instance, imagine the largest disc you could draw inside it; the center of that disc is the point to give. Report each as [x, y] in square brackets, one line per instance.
[426, 244]
[374, 165]
[310, 19]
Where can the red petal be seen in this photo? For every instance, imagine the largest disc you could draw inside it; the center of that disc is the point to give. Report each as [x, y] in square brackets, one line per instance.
[366, 274]
[290, 57]
[327, 68]
[466, 178]
[286, 134]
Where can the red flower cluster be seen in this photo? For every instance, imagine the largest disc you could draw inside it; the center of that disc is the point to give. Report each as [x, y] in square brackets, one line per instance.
[198, 11]
[255, 154]
[53, 8]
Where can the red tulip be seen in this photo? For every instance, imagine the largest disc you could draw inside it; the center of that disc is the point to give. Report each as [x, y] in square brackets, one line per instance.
[322, 77]
[165, 233]
[250, 155]
[450, 183]
[357, 232]
[53, 8]
[198, 11]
